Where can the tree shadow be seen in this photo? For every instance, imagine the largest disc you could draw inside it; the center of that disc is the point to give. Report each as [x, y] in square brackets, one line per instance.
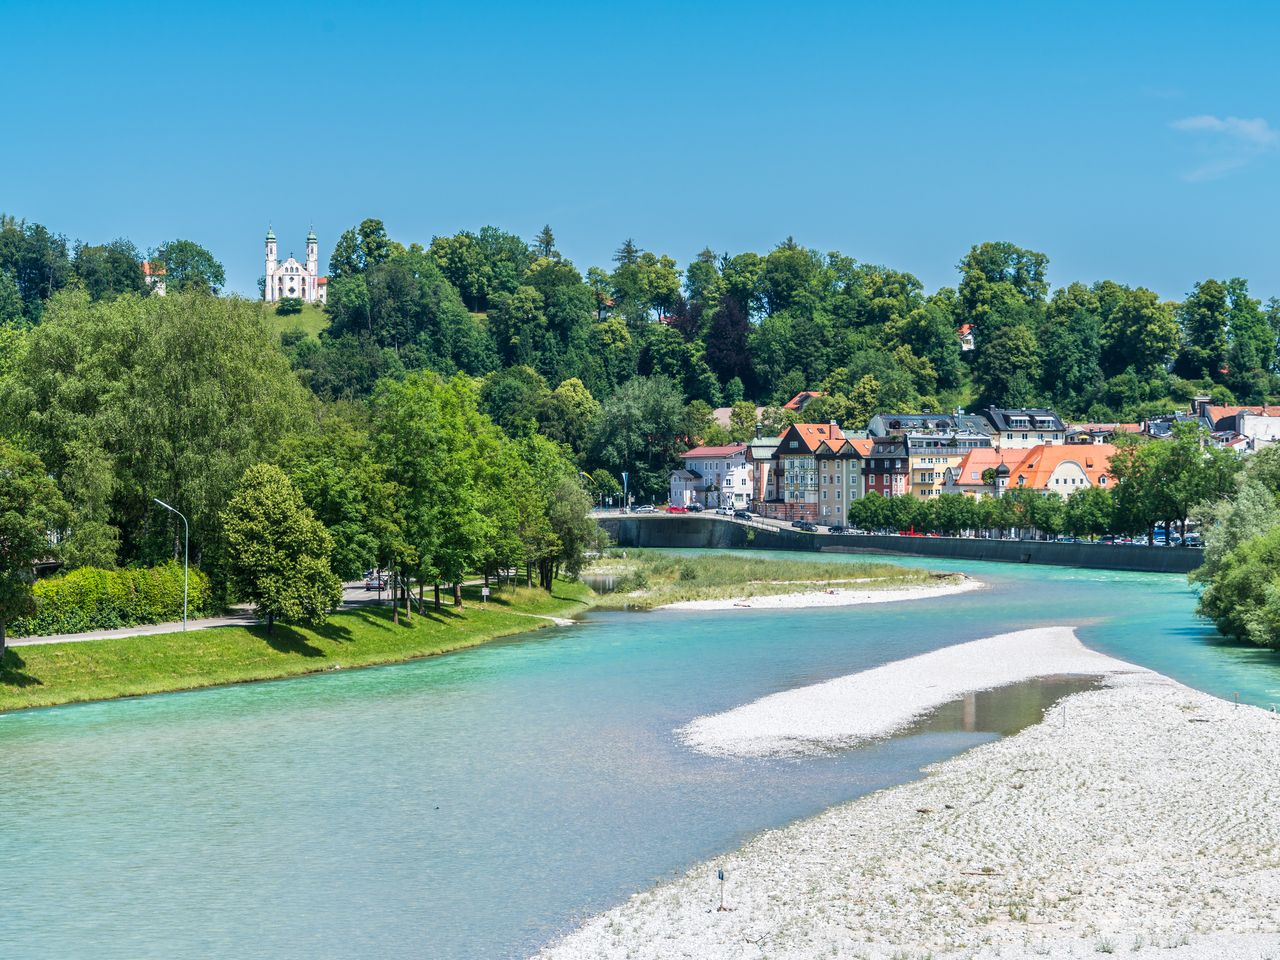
[11, 672]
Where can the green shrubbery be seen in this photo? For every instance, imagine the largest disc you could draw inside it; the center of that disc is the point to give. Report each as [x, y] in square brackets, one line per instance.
[94, 599]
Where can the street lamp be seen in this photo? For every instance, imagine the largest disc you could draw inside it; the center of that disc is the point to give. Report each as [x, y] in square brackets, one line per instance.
[185, 556]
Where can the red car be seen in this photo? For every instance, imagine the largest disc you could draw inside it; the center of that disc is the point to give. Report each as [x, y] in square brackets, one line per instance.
[674, 508]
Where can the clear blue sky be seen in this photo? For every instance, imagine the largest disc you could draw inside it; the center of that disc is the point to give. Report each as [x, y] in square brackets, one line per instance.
[1131, 141]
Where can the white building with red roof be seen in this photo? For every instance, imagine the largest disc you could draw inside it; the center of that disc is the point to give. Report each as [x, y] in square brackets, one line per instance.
[714, 477]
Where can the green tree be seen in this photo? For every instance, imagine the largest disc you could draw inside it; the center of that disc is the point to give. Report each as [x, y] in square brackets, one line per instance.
[1089, 512]
[278, 552]
[337, 472]
[987, 267]
[109, 270]
[31, 511]
[641, 429]
[189, 268]
[171, 397]
[1139, 331]
[545, 243]
[568, 415]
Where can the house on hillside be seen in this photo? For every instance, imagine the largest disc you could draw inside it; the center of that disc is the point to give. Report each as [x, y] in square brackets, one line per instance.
[1059, 468]
[801, 400]
[154, 274]
[713, 477]
[887, 469]
[840, 475]
[1025, 427]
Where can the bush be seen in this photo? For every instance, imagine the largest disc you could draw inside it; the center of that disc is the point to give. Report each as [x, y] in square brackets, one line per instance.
[94, 599]
[288, 305]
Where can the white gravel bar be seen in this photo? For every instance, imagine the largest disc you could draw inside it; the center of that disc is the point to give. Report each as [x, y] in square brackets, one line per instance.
[875, 703]
[833, 597]
[1137, 818]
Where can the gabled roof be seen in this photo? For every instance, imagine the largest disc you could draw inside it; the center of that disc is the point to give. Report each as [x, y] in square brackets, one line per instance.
[1039, 418]
[150, 269]
[978, 460]
[1218, 414]
[846, 448]
[728, 450]
[801, 400]
[808, 435]
[1036, 468]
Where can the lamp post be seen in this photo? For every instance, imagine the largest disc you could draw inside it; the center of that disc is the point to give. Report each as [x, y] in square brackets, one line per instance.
[185, 556]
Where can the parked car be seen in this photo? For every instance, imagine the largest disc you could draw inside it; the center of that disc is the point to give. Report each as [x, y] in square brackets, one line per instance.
[798, 524]
[676, 508]
[694, 508]
[839, 528]
[375, 580]
[724, 511]
[807, 526]
[647, 508]
[741, 515]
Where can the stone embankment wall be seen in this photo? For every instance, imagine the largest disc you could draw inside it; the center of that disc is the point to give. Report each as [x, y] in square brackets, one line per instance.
[723, 533]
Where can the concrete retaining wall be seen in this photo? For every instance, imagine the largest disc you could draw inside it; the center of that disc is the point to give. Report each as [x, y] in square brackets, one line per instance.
[723, 533]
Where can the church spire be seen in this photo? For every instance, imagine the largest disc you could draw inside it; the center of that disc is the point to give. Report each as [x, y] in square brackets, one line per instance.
[271, 234]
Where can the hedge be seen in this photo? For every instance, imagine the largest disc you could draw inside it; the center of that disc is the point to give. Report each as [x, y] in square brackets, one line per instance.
[90, 598]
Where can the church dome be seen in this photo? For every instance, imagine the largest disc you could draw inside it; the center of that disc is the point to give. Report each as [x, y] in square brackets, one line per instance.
[271, 234]
[311, 235]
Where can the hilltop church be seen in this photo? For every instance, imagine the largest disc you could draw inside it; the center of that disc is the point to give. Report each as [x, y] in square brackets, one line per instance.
[293, 279]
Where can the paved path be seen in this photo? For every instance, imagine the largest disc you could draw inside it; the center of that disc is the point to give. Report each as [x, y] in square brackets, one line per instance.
[353, 595]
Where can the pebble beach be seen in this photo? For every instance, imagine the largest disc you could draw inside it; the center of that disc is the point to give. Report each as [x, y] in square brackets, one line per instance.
[1138, 817]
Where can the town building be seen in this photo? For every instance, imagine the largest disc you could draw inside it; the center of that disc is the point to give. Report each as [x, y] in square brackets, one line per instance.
[974, 475]
[896, 424]
[931, 452]
[887, 470]
[1025, 427]
[840, 475]
[154, 274]
[292, 279]
[1099, 432]
[713, 477]
[1064, 469]
[764, 478]
[797, 493]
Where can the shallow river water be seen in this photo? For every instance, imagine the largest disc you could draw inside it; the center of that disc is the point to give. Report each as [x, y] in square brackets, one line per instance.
[476, 805]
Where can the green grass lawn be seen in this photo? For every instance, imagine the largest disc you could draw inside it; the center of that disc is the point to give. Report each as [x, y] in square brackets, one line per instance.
[311, 321]
[648, 580]
[46, 674]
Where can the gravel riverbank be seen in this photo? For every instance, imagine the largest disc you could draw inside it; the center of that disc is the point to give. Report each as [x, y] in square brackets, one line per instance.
[1136, 818]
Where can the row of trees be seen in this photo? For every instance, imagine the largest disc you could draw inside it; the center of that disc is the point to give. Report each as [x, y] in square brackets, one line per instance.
[188, 398]
[1155, 483]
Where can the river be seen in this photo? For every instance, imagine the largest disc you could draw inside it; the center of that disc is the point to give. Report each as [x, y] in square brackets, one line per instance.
[477, 805]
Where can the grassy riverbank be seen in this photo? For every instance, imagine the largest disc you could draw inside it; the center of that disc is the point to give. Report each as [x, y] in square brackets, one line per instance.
[647, 580]
[48, 674]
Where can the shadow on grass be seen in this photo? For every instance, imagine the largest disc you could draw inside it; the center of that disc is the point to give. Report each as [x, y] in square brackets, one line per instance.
[345, 627]
[11, 674]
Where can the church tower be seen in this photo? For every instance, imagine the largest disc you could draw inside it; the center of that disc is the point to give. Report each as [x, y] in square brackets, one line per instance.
[269, 291]
[313, 264]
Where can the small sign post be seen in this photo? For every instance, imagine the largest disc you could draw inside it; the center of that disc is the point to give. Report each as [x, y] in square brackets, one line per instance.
[484, 594]
[720, 876]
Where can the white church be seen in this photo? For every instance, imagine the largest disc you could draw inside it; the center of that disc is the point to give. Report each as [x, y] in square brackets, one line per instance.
[293, 279]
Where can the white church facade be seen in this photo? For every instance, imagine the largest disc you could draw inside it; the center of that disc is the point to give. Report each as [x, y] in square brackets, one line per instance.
[293, 279]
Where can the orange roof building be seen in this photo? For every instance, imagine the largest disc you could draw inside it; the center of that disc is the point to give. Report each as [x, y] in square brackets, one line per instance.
[966, 476]
[1063, 469]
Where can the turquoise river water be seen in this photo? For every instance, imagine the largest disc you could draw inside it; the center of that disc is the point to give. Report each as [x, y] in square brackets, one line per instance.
[479, 804]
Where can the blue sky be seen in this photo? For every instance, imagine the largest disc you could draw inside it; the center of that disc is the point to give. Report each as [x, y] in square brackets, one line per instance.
[1136, 142]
